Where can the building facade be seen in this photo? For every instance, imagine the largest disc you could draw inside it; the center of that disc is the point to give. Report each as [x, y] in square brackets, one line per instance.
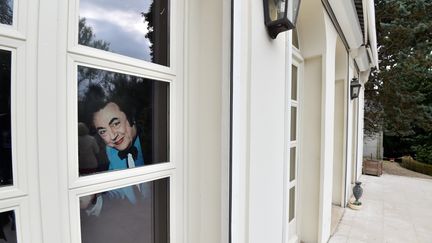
[237, 137]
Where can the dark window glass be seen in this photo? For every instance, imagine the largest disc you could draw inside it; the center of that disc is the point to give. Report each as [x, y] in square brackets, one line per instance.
[295, 41]
[291, 204]
[294, 83]
[134, 28]
[137, 213]
[6, 12]
[7, 227]
[292, 163]
[5, 119]
[293, 123]
[122, 121]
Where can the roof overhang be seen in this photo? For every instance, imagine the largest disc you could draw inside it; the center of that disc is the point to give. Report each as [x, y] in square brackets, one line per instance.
[355, 22]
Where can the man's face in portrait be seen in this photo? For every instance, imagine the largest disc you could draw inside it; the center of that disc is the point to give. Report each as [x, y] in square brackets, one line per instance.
[113, 127]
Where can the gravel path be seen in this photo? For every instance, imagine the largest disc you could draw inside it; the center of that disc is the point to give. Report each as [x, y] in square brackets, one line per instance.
[393, 168]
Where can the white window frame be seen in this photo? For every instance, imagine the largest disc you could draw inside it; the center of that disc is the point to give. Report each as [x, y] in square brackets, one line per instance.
[293, 57]
[15, 197]
[73, 186]
[19, 22]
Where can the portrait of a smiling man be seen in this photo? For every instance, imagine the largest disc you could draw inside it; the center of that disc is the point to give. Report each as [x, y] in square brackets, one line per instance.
[127, 116]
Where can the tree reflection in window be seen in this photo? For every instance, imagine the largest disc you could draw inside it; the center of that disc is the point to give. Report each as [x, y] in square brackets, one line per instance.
[137, 29]
[6, 12]
[7, 227]
[5, 119]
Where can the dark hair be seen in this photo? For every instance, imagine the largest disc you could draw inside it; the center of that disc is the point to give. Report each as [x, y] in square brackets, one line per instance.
[95, 100]
[82, 129]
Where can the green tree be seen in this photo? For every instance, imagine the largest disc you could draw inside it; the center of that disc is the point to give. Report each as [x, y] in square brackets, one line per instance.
[399, 95]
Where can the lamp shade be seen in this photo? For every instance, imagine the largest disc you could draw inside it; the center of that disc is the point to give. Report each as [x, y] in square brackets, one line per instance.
[355, 88]
[280, 15]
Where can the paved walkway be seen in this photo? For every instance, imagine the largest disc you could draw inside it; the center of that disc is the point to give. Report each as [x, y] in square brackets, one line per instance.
[396, 209]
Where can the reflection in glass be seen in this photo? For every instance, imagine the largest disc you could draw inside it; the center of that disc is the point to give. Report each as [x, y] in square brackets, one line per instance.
[295, 40]
[6, 12]
[122, 121]
[5, 119]
[294, 83]
[138, 29]
[137, 213]
[291, 204]
[7, 227]
[293, 123]
[292, 163]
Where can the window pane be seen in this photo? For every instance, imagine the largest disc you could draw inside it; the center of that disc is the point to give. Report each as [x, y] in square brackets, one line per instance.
[5, 119]
[295, 41]
[7, 227]
[6, 12]
[293, 123]
[292, 164]
[137, 29]
[137, 213]
[294, 83]
[291, 204]
[122, 121]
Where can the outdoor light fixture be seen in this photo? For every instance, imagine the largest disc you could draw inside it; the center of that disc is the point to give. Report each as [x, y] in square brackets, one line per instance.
[355, 88]
[280, 15]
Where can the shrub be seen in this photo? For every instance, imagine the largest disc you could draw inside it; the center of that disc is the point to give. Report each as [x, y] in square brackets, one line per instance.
[416, 166]
[423, 153]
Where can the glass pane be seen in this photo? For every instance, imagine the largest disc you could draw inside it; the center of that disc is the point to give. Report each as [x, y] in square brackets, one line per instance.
[293, 123]
[295, 9]
[137, 213]
[134, 28]
[292, 164]
[295, 41]
[7, 227]
[122, 121]
[5, 119]
[291, 204]
[276, 9]
[6, 12]
[294, 83]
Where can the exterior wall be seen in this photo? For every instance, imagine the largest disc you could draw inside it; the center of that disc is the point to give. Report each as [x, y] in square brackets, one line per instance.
[339, 143]
[310, 144]
[341, 132]
[261, 70]
[207, 94]
[266, 157]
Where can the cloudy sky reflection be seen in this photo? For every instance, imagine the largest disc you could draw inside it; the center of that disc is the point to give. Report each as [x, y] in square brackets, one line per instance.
[120, 23]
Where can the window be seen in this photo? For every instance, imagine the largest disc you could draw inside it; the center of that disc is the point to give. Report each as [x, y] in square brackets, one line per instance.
[136, 213]
[5, 119]
[8, 227]
[138, 29]
[292, 123]
[293, 105]
[120, 95]
[6, 12]
[118, 114]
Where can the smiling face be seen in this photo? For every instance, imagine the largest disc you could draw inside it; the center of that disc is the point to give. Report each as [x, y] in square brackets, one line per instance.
[113, 127]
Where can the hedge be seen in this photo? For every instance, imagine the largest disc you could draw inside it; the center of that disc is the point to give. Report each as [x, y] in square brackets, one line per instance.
[416, 166]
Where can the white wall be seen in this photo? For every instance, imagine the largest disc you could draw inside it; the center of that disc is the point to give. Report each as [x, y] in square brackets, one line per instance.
[267, 109]
[206, 80]
[339, 143]
[341, 134]
[310, 147]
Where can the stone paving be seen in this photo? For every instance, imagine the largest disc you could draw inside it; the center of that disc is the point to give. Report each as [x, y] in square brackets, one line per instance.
[396, 209]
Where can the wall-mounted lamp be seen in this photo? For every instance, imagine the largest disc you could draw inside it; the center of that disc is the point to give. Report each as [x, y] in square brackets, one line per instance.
[355, 88]
[280, 15]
